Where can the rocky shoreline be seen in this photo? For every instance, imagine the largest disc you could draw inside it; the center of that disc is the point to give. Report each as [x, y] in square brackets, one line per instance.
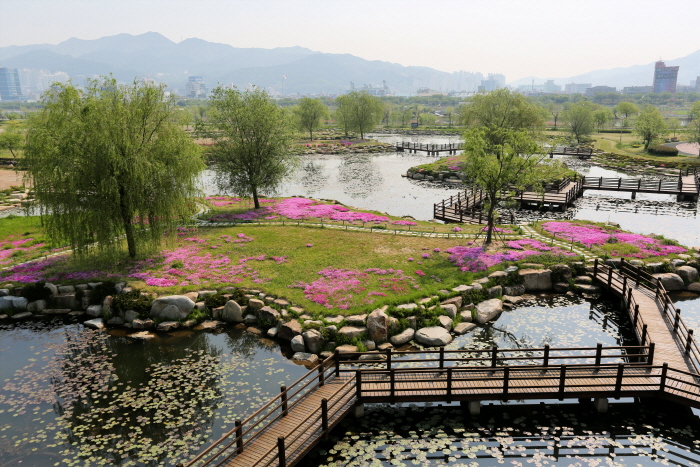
[453, 312]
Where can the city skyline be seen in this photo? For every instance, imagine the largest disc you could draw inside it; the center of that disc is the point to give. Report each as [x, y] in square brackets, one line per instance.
[513, 38]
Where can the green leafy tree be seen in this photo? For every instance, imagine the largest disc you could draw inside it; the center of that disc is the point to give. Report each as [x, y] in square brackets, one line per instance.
[450, 114]
[108, 161]
[673, 125]
[602, 116]
[579, 120]
[360, 111]
[405, 113]
[343, 113]
[650, 125]
[499, 111]
[309, 115]
[252, 139]
[555, 110]
[501, 170]
[12, 139]
[627, 110]
[693, 127]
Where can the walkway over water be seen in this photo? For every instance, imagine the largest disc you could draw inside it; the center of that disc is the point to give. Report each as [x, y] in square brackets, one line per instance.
[665, 366]
[430, 149]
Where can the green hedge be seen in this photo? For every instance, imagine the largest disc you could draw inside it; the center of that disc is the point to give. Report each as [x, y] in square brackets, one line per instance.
[615, 131]
[665, 151]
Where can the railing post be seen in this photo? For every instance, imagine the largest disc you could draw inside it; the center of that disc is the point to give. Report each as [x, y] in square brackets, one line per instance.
[449, 385]
[358, 384]
[494, 356]
[283, 390]
[321, 374]
[324, 417]
[545, 357]
[562, 382]
[442, 357]
[388, 359]
[506, 375]
[336, 356]
[392, 384]
[662, 379]
[650, 355]
[595, 268]
[281, 453]
[636, 315]
[598, 353]
[610, 271]
[677, 320]
[239, 436]
[644, 335]
[689, 342]
[618, 380]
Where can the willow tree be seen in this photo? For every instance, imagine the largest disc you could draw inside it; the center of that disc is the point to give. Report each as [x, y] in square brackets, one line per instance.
[359, 111]
[252, 138]
[310, 114]
[500, 170]
[111, 161]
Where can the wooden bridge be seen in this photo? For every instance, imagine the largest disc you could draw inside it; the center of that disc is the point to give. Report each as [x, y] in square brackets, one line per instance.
[581, 153]
[430, 149]
[664, 366]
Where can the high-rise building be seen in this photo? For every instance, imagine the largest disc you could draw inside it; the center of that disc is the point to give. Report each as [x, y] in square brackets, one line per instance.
[665, 77]
[10, 89]
[697, 84]
[196, 88]
[574, 88]
[495, 81]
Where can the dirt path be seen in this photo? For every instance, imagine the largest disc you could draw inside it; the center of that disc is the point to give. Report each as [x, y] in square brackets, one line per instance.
[10, 178]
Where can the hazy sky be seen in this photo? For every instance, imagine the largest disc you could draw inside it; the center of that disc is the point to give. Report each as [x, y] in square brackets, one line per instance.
[519, 38]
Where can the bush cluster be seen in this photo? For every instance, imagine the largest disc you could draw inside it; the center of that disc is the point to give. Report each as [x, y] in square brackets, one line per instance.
[133, 300]
[665, 151]
[36, 291]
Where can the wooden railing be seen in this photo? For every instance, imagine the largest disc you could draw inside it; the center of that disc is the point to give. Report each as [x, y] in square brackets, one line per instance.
[556, 198]
[567, 151]
[631, 184]
[429, 148]
[629, 277]
[246, 431]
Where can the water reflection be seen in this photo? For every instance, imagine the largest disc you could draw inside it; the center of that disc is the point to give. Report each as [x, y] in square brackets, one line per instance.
[359, 176]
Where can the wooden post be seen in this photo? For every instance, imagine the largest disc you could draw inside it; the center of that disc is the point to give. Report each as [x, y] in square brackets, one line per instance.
[689, 342]
[283, 390]
[595, 268]
[562, 382]
[388, 359]
[392, 384]
[442, 357]
[610, 272]
[650, 355]
[644, 335]
[636, 315]
[239, 436]
[545, 357]
[662, 379]
[336, 356]
[449, 385]
[494, 356]
[598, 353]
[506, 375]
[618, 380]
[677, 320]
[321, 374]
[324, 417]
[281, 453]
[358, 384]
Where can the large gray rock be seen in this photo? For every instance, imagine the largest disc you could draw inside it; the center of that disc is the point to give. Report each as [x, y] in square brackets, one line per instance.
[561, 287]
[66, 289]
[6, 303]
[142, 335]
[403, 337]
[356, 320]
[167, 326]
[287, 331]
[95, 324]
[297, 344]
[495, 291]
[177, 306]
[115, 321]
[463, 328]
[378, 326]
[562, 271]
[588, 289]
[94, 310]
[351, 332]
[130, 315]
[450, 309]
[488, 310]
[304, 358]
[514, 289]
[19, 303]
[269, 315]
[22, 315]
[142, 324]
[255, 304]
[445, 322]
[688, 273]
[536, 280]
[694, 287]
[37, 306]
[462, 288]
[313, 340]
[65, 300]
[232, 312]
[456, 301]
[433, 337]
[670, 281]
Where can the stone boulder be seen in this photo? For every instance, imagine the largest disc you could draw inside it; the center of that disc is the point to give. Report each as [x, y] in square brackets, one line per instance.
[535, 280]
[561, 287]
[142, 324]
[167, 326]
[172, 307]
[463, 328]
[22, 315]
[378, 326]
[562, 272]
[461, 288]
[287, 331]
[456, 301]
[115, 321]
[450, 309]
[142, 335]
[94, 310]
[297, 344]
[130, 315]
[445, 322]
[488, 310]
[305, 358]
[495, 291]
[670, 281]
[356, 320]
[688, 273]
[588, 289]
[313, 340]
[232, 312]
[95, 324]
[403, 337]
[351, 332]
[269, 315]
[433, 336]
[255, 304]
[694, 287]
[64, 300]
[514, 289]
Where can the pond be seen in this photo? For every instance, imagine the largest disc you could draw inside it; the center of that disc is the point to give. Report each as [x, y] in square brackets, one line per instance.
[74, 396]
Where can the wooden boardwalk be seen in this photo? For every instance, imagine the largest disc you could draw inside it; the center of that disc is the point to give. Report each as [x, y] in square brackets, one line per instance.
[430, 149]
[581, 153]
[664, 365]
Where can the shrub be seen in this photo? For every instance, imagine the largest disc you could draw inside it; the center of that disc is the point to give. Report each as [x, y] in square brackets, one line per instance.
[101, 291]
[475, 296]
[615, 131]
[664, 151]
[215, 301]
[198, 315]
[133, 300]
[36, 291]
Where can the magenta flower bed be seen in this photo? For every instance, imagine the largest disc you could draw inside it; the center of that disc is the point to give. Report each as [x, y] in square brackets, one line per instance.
[303, 208]
[475, 259]
[343, 288]
[36, 271]
[590, 235]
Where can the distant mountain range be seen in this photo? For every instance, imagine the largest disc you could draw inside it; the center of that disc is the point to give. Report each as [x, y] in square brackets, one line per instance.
[152, 55]
[637, 75]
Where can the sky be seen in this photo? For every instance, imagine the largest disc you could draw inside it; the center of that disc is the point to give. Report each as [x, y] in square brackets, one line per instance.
[519, 38]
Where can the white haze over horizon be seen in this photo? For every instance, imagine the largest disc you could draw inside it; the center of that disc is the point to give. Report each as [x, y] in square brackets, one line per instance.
[540, 38]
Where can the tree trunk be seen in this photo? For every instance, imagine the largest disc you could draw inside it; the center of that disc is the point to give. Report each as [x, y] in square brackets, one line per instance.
[254, 189]
[311, 135]
[128, 226]
[489, 221]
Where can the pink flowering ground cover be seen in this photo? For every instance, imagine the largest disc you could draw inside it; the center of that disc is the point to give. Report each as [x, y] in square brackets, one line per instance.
[476, 259]
[612, 241]
[300, 209]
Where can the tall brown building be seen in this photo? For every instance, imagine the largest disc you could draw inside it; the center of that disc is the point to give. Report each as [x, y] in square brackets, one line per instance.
[665, 77]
